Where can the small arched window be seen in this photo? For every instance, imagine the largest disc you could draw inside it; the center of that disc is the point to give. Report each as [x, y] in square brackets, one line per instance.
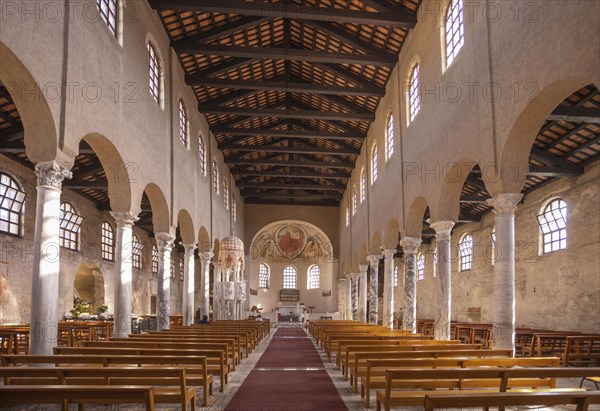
[136, 251]
[314, 277]
[264, 276]
[553, 226]
[420, 267]
[363, 185]
[108, 241]
[347, 216]
[374, 164]
[225, 194]
[389, 137]
[70, 226]
[154, 259]
[202, 155]
[455, 30]
[155, 73]
[435, 259]
[109, 12]
[465, 249]
[12, 201]
[289, 277]
[396, 275]
[234, 210]
[354, 200]
[181, 268]
[172, 266]
[183, 124]
[215, 172]
[414, 97]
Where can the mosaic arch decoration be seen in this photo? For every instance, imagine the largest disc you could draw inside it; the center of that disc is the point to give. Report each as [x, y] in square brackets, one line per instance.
[291, 240]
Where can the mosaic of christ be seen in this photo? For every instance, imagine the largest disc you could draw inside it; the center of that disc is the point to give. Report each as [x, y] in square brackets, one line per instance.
[291, 240]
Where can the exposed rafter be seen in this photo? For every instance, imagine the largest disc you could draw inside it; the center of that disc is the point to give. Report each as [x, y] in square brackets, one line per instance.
[292, 149]
[576, 114]
[284, 186]
[270, 112]
[274, 162]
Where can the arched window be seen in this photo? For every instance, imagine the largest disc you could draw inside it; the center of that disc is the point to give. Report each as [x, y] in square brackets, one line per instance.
[465, 249]
[363, 185]
[136, 251]
[172, 266]
[314, 277]
[354, 200]
[455, 30]
[420, 267]
[374, 164]
[215, 172]
[264, 276]
[12, 200]
[414, 97]
[181, 266]
[225, 194]
[202, 154]
[395, 275]
[389, 138]
[347, 216]
[553, 225]
[70, 226]
[183, 123]
[493, 246]
[154, 259]
[434, 264]
[155, 73]
[234, 210]
[108, 241]
[108, 11]
[289, 277]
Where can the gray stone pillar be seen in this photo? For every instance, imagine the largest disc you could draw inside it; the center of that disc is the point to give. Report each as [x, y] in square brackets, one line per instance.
[410, 245]
[504, 205]
[388, 288]
[164, 243]
[123, 271]
[354, 296]
[206, 258]
[46, 267]
[188, 284]
[373, 288]
[363, 315]
[342, 284]
[443, 282]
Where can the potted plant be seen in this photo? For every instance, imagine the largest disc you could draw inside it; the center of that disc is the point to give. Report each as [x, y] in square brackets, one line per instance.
[102, 310]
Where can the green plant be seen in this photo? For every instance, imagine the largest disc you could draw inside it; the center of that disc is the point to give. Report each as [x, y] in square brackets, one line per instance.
[102, 309]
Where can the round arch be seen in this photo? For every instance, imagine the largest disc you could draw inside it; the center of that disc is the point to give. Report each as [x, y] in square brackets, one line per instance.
[186, 227]
[414, 218]
[160, 209]
[204, 243]
[390, 238]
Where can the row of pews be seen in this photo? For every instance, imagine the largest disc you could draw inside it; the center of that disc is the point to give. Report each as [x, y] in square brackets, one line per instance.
[402, 369]
[164, 367]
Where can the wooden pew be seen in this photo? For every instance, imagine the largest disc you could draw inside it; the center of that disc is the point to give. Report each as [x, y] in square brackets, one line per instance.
[170, 386]
[331, 344]
[582, 350]
[421, 382]
[503, 399]
[80, 394]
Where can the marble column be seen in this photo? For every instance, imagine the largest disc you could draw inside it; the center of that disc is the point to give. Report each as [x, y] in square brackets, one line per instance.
[388, 288]
[188, 284]
[342, 284]
[503, 331]
[443, 282]
[206, 258]
[123, 271]
[363, 315]
[46, 266]
[164, 243]
[354, 295]
[373, 288]
[410, 245]
[349, 296]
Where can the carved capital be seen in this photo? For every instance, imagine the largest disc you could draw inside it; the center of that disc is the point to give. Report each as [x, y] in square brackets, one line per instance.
[388, 254]
[206, 256]
[410, 245]
[363, 268]
[342, 281]
[505, 203]
[189, 248]
[442, 229]
[51, 173]
[124, 218]
[164, 241]
[353, 276]
[373, 260]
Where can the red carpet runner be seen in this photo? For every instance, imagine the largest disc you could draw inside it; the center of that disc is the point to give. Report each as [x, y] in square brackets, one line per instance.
[269, 387]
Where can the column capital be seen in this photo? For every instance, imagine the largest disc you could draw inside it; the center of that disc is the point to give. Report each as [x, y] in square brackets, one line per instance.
[442, 229]
[342, 280]
[505, 203]
[363, 268]
[389, 254]
[410, 245]
[189, 248]
[206, 256]
[353, 276]
[164, 241]
[373, 259]
[124, 218]
[51, 173]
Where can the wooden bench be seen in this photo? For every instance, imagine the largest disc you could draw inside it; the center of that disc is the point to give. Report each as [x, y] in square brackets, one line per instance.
[170, 386]
[421, 382]
[80, 394]
[582, 350]
[331, 344]
[503, 399]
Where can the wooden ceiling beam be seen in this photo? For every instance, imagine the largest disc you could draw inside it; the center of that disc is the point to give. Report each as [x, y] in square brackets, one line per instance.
[297, 202]
[290, 174]
[576, 114]
[225, 66]
[550, 159]
[346, 74]
[92, 185]
[270, 112]
[551, 171]
[346, 37]
[190, 46]
[289, 133]
[391, 18]
[474, 199]
[284, 186]
[258, 194]
[301, 150]
[275, 162]
[224, 99]
[230, 28]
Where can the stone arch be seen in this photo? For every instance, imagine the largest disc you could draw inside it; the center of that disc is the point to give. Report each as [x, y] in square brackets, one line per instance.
[117, 172]
[515, 150]
[354, 262]
[363, 253]
[89, 283]
[390, 237]
[40, 135]
[376, 244]
[413, 226]
[447, 206]
[186, 227]
[160, 209]
[204, 244]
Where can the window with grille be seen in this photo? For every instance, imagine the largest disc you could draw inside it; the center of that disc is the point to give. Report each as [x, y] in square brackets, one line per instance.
[155, 73]
[70, 226]
[420, 267]
[347, 216]
[289, 277]
[172, 266]
[314, 277]
[395, 275]
[12, 201]
[108, 242]
[455, 30]
[354, 200]
[465, 248]
[363, 185]
[264, 277]
[183, 124]
[108, 11]
[374, 164]
[154, 259]
[234, 210]
[181, 272]
[414, 98]
[215, 172]
[225, 194]
[390, 137]
[202, 154]
[553, 226]
[136, 251]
